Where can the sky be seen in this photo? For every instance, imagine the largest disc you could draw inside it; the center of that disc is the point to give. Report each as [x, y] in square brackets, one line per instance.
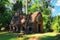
[56, 9]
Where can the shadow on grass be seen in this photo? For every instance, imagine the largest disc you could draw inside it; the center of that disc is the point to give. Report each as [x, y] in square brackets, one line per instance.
[8, 36]
[57, 37]
[47, 38]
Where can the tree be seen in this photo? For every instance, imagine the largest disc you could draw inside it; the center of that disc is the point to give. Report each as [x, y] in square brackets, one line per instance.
[5, 13]
[56, 23]
[47, 14]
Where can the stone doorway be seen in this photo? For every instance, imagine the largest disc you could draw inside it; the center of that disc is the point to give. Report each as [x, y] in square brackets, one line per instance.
[39, 28]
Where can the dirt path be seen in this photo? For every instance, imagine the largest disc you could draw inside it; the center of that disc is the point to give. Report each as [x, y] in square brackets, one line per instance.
[34, 38]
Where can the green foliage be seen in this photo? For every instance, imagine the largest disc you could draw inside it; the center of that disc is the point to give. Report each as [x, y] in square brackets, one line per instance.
[2, 8]
[17, 5]
[5, 13]
[32, 6]
[46, 16]
[55, 24]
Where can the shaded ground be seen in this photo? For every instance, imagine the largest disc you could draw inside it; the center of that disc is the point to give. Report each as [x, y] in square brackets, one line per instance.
[7, 36]
[16, 36]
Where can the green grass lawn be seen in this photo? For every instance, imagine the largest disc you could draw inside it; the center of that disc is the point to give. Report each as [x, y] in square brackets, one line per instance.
[14, 36]
[7, 36]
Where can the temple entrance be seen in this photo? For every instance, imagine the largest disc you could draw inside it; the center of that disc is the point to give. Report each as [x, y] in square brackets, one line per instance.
[38, 28]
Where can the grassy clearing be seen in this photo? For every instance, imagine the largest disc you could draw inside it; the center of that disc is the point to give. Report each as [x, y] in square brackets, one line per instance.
[14, 36]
